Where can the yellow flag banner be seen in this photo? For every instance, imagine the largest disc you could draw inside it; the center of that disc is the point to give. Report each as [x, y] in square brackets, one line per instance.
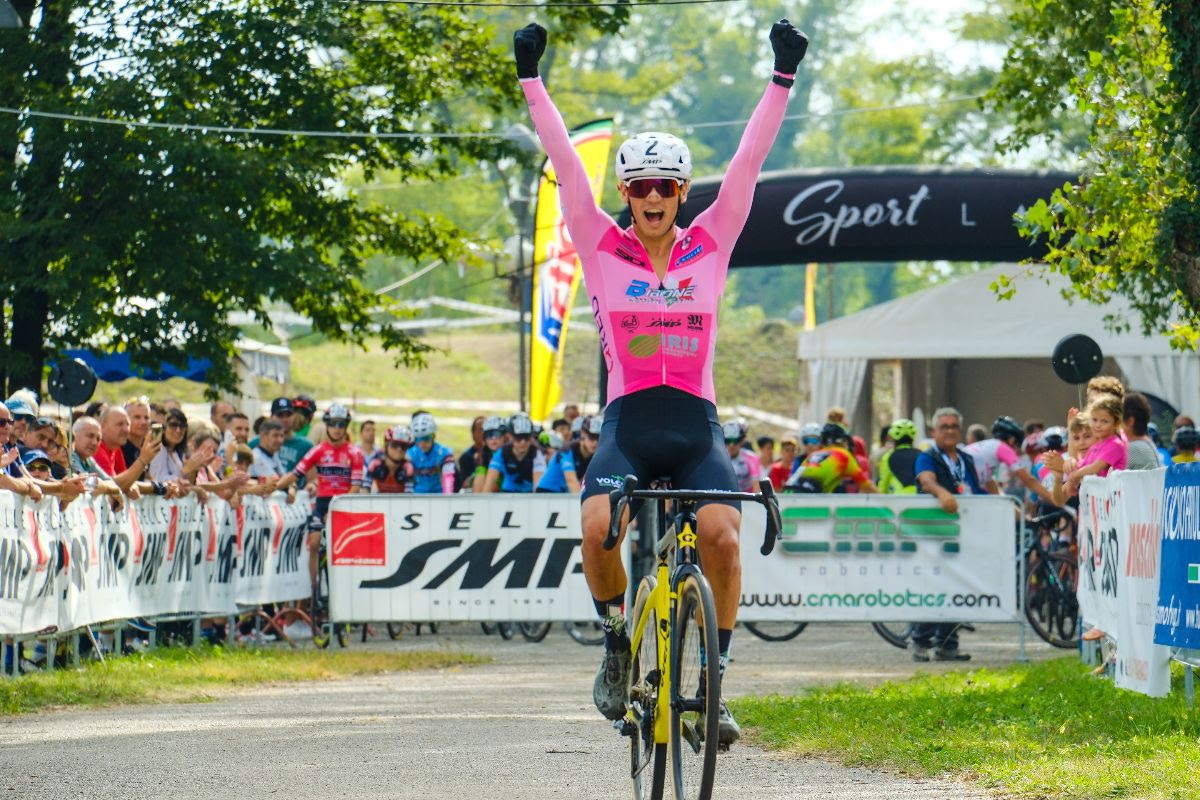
[556, 270]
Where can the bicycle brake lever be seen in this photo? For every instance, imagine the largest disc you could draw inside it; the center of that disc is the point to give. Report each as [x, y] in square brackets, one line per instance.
[774, 521]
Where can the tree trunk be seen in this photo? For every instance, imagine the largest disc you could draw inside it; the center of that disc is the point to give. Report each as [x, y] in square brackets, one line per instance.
[31, 316]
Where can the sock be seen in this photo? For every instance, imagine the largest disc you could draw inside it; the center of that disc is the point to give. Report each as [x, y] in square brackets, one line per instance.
[612, 619]
[724, 637]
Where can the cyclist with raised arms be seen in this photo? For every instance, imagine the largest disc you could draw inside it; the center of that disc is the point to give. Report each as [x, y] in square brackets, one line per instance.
[661, 418]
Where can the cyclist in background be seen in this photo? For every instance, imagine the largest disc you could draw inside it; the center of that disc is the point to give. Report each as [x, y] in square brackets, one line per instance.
[472, 459]
[339, 466]
[1185, 441]
[996, 460]
[746, 466]
[518, 465]
[432, 461]
[898, 464]
[810, 442]
[391, 472]
[824, 469]
[661, 418]
[495, 436]
[566, 469]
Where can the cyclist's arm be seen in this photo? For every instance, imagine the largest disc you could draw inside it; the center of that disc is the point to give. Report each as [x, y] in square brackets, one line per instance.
[303, 466]
[855, 471]
[1033, 484]
[584, 217]
[727, 215]
[492, 482]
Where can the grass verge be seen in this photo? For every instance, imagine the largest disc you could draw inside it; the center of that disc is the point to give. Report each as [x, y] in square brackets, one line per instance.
[1045, 730]
[176, 674]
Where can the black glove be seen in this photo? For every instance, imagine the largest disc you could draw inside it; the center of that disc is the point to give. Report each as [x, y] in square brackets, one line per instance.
[789, 45]
[529, 44]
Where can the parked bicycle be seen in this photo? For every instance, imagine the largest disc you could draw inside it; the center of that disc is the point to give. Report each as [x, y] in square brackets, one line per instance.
[672, 677]
[1052, 577]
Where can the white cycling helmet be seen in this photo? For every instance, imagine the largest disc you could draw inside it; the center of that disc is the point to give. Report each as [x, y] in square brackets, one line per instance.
[654, 155]
[493, 425]
[732, 431]
[810, 430]
[577, 425]
[594, 424]
[399, 433]
[423, 425]
[520, 424]
[336, 411]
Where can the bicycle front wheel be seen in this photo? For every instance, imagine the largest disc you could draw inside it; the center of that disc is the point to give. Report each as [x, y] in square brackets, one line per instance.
[648, 759]
[695, 689]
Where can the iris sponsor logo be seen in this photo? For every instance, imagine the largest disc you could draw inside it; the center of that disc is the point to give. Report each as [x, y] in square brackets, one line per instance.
[820, 530]
[685, 346]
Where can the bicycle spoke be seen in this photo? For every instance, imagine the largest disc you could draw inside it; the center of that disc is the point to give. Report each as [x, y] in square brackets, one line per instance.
[648, 758]
[696, 689]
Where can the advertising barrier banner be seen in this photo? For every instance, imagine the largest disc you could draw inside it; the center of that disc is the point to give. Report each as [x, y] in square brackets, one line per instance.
[456, 558]
[516, 557]
[1177, 615]
[1119, 554]
[881, 558]
[88, 564]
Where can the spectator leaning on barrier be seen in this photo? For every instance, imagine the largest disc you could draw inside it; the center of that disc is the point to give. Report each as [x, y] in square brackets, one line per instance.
[517, 466]
[1141, 452]
[138, 410]
[114, 431]
[1109, 450]
[267, 468]
[42, 435]
[294, 446]
[24, 410]
[944, 471]
[87, 439]
[219, 413]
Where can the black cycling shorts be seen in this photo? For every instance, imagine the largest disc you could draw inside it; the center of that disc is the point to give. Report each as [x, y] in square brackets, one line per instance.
[661, 433]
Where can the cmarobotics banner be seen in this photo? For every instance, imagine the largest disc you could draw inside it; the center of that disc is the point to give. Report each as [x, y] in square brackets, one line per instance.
[881, 558]
[556, 270]
[66, 569]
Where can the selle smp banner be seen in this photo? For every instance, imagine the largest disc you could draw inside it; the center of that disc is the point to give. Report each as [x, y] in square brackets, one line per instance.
[456, 558]
[882, 214]
[1120, 562]
[516, 557]
[63, 570]
[881, 558]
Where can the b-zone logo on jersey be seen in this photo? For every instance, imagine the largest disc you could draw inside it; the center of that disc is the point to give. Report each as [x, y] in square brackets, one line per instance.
[358, 539]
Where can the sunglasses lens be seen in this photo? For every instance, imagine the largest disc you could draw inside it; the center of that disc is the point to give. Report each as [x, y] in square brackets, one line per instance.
[666, 187]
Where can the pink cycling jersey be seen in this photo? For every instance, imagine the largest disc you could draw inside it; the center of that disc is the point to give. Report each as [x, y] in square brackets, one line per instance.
[339, 466]
[654, 333]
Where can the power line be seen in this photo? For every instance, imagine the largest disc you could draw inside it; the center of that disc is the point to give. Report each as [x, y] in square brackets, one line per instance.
[228, 129]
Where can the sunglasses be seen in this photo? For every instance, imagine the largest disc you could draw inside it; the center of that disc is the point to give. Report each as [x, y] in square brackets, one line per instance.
[337, 424]
[641, 188]
[39, 466]
[595, 437]
[4, 423]
[492, 434]
[811, 440]
[428, 438]
[396, 443]
[175, 425]
[732, 441]
[28, 419]
[522, 437]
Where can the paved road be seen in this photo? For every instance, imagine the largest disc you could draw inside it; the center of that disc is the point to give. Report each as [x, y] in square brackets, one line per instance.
[520, 727]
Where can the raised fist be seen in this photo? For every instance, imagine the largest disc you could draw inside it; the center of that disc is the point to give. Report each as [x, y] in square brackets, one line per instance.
[789, 45]
[529, 44]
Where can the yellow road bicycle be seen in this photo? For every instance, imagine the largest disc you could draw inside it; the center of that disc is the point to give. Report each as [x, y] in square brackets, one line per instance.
[675, 671]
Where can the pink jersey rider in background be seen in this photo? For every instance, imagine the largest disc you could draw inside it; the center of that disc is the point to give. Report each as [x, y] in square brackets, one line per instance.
[654, 290]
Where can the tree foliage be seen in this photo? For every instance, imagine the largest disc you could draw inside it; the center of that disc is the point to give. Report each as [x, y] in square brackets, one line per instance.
[1131, 225]
[143, 239]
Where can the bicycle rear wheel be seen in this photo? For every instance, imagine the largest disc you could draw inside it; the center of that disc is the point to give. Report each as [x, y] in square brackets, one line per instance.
[896, 634]
[590, 633]
[534, 631]
[1050, 603]
[776, 631]
[648, 759]
[695, 689]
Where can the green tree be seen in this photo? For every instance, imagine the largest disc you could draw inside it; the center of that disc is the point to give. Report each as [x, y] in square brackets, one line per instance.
[143, 238]
[1131, 225]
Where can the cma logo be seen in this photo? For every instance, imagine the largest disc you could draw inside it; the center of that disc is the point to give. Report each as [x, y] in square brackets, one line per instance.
[817, 530]
[481, 562]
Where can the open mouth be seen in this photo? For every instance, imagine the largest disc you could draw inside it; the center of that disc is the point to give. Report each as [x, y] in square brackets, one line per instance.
[654, 215]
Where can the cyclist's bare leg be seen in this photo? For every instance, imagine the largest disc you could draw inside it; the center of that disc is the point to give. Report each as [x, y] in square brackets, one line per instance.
[720, 557]
[603, 569]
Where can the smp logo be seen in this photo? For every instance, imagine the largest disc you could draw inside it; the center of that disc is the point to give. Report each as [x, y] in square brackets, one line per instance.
[819, 530]
[358, 538]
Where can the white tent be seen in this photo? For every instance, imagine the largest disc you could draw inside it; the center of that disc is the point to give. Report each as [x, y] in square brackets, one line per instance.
[957, 344]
